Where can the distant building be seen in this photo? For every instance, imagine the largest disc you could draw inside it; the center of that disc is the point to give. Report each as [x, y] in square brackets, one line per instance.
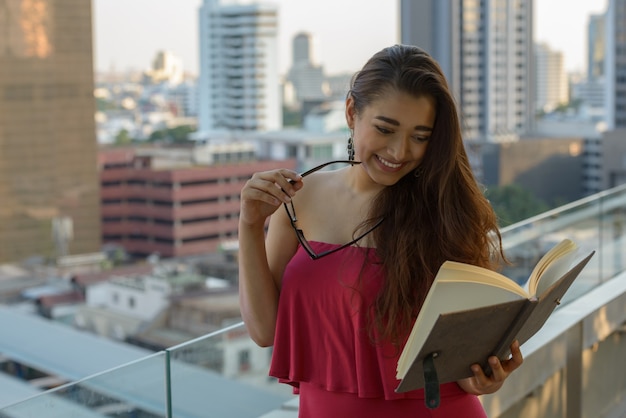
[166, 67]
[596, 46]
[112, 122]
[615, 66]
[118, 306]
[305, 75]
[593, 171]
[338, 86]
[185, 99]
[485, 49]
[307, 148]
[558, 125]
[551, 78]
[550, 168]
[330, 116]
[175, 202]
[591, 94]
[14, 279]
[614, 158]
[613, 143]
[47, 130]
[161, 306]
[239, 78]
[191, 315]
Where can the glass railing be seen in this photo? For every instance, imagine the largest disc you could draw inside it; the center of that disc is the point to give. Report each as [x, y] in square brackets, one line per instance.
[211, 376]
[224, 374]
[134, 389]
[596, 223]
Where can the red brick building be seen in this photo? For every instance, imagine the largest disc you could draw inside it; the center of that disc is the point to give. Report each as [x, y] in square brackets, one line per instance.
[177, 211]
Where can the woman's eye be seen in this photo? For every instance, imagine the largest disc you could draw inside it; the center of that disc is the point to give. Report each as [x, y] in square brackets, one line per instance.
[421, 138]
[383, 130]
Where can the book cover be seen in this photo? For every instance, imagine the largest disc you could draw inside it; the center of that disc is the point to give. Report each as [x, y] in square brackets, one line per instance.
[472, 313]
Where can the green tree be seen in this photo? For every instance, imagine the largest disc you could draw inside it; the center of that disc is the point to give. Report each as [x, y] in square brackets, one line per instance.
[103, 104]
[181, 133]
[123, 138]
[178, 134]
[513, 203]
[158, 136]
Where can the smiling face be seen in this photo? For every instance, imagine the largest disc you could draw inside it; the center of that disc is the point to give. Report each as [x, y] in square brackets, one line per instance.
[391, 134]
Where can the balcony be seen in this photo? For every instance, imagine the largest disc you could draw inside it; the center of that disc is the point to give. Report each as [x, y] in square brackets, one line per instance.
[574, 367]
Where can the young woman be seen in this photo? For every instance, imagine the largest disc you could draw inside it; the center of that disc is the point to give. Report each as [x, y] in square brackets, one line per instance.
[336, 288]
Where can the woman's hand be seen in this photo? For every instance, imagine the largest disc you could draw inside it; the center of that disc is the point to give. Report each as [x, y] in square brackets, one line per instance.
[480, 384]
[264, 193]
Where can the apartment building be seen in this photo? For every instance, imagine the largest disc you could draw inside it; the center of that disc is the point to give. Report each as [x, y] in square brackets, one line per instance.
[239, 80]
[485, 49]
[169, 206]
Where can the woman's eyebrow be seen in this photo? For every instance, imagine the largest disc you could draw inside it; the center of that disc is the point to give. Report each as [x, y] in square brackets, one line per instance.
[396, 123]
[388, 120]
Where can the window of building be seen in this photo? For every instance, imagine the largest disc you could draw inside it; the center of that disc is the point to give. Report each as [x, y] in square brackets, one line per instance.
[321, 152]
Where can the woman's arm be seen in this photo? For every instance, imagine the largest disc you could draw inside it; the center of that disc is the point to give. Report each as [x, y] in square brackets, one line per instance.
[262, 261]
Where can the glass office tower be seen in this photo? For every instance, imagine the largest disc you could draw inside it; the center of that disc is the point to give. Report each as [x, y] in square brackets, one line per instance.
[49, 190]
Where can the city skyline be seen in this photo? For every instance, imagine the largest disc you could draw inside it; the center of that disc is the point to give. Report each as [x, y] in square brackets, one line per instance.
[120, 23]
[141, 29]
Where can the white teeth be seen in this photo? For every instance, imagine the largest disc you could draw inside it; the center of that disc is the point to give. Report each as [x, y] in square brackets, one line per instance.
[388, 164]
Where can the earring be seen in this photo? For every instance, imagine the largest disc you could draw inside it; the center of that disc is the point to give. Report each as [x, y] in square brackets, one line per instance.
[417, 172]
[350, 148]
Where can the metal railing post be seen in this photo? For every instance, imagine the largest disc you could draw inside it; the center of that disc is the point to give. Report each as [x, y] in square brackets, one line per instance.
[168, 386]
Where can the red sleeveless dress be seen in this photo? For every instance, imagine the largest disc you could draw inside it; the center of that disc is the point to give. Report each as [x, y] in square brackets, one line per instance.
[322, 347]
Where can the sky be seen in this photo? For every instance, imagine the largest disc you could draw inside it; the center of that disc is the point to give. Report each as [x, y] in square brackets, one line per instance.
[129, 33]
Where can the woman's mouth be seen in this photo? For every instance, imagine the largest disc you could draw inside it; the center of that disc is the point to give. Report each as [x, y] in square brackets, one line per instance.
[387, 163]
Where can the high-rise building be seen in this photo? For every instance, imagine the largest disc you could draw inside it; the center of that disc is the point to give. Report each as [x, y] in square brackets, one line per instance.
[485, 48]
[302, 52]
[589, 90]
[167, 67]
[615, 67]
[305, 75]
[239, 80]
[551, 78]
[596, 36]
[49, 188]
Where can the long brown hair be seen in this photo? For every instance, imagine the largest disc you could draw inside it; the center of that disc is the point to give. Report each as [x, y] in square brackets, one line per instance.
[436, 214]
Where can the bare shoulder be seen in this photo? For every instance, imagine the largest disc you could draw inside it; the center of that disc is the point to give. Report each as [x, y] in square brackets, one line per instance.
[319, 184]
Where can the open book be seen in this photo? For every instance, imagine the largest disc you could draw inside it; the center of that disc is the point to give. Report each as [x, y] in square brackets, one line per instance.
[471, 313]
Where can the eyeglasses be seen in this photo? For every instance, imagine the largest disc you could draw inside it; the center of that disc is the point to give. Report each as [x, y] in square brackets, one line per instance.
[291, 212]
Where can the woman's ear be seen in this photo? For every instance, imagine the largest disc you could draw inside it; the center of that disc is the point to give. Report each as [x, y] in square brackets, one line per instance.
[350, 112]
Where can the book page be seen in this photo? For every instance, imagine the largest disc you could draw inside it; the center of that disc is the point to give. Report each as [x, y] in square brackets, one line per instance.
[461, 272]
[551, 266]
[450, 293]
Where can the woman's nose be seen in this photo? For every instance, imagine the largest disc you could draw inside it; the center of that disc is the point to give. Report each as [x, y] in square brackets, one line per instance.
[398, 148]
